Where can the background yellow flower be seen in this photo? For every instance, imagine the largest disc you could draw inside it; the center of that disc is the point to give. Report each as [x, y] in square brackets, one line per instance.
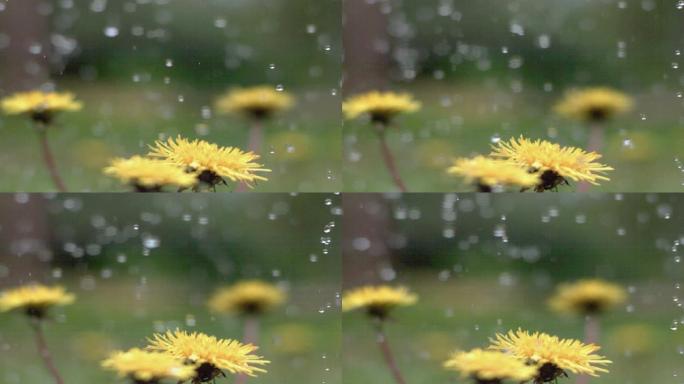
[377, 300]
[34, 299]
[380, 106]
[587, 296]
[247, 297]
[593, 104]
[257, 102]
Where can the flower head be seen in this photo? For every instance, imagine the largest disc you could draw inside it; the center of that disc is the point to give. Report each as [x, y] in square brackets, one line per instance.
[41, 106]
[587, 297]
[247, 297]
[211, 162]
[381, 106]
[489, 174]
[34, 299]
[211, 355]
[148, 367]
[258, 102]
[553, 356]
[490, 366]
[149, 174]
[378, 301]
[593, 104]
[555, 164]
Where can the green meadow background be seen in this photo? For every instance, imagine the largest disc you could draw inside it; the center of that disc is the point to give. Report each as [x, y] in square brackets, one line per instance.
[140, 265]
[482, 265]
[157, 75]
[489, 70]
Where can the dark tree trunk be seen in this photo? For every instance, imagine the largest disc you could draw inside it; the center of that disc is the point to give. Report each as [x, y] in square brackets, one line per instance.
[365, 228]
[366, 46]
[26, 26]
[24, 241]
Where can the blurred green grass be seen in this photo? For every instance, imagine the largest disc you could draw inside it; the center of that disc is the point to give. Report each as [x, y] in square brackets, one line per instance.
[122, 313]
[122, 119]
[465, 313]
[462, 119]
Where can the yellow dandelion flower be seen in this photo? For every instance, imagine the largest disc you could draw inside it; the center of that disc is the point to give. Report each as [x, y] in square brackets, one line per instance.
[211, 355]
[380, 106]
[149, 174]
[490, 366]
[553, 356]
[593, 104]
[378, 301]
[34, 299]
[247, 297]
[257, 102]
[587, 296]
[211, 162]
[41, 106]
[491, 174]
[148, 367]
[554, 163]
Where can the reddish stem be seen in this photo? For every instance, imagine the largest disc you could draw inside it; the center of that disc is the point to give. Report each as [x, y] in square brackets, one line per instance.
[595, 144]
[256, 137]
[43, 350]
[387, 354]
[592, 333]
[250, 335]
[388, 157]
[49, 159]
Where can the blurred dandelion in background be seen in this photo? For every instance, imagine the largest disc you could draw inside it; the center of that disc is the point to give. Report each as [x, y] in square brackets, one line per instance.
[382, 108]
[378, 302]
[249, 299]
[42, 107]
[35, 300]
[257, 103]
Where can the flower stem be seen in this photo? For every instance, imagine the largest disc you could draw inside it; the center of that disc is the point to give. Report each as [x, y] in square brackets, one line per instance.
[381, 338]
[250, 335]
[256, 137]
[592, 333]
[43, 351]
[388, 157]
[595, 144]
[49, 159]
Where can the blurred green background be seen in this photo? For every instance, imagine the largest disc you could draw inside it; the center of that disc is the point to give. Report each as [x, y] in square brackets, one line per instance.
[489, 70]
[483, 264]
[144, 264]
[152, 69]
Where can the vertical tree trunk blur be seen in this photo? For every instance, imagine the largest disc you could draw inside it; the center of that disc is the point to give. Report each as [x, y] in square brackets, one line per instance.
[364, 233]
[24, 241]
[366, 46]
[25, 25]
